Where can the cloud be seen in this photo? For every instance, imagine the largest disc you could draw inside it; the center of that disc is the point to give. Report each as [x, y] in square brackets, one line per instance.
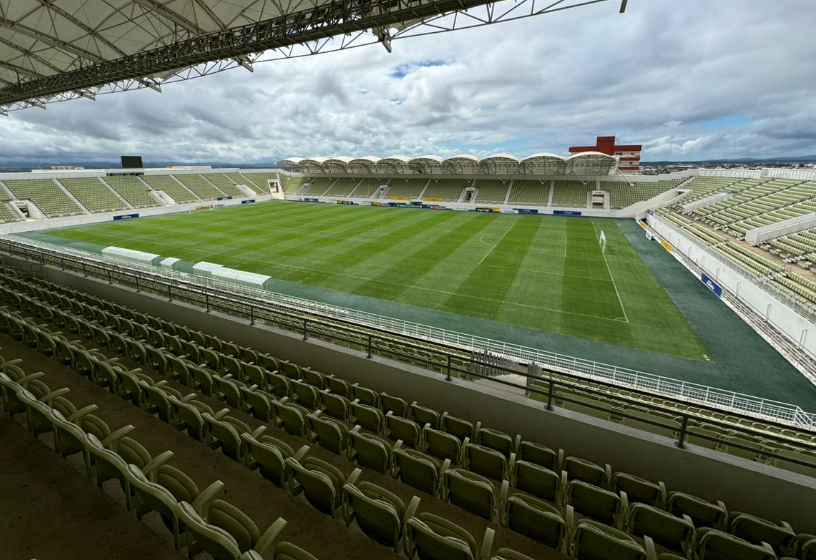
[690, 80]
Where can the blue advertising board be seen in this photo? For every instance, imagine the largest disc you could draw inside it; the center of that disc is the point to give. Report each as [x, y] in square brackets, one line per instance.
[126, 216]
[711, 285]
[526, 210]
[311, 200]
[249, 201]
[224, 198]
[566, 213]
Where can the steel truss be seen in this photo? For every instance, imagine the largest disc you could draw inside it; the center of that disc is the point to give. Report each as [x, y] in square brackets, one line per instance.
[339, 25]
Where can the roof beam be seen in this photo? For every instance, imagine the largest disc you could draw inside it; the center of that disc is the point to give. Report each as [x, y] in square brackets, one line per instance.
[20, 69]
[313, 24]
[623, 5]
[29, 54]
[48, 39]
[157, 7]
[50, 5]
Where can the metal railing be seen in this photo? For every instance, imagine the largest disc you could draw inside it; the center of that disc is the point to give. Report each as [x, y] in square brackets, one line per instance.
[682, 426]
[296, 314]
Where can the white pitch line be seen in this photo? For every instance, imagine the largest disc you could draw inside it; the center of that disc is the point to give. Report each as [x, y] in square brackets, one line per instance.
[620, 301]
[497, 243]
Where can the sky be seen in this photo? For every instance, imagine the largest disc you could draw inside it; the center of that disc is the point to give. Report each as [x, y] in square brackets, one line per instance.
[688, 79]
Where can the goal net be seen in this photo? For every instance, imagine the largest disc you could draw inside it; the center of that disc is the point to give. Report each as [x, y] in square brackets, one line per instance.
[602, 241]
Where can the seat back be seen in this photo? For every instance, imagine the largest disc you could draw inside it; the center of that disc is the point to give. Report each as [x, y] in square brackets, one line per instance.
[595, 541]
[209, 538]
[365, 395]
[756, 530]
[540, 455]
[718, 545]
[331, 434]
[306, 394]
[402, 428]
[471, 492]
[639, 489]
[435, 538]
[389, 403]
[371, 451]
[701, 512]
[535, 519]
[442, 445]
[423, 415]
[293, 418]
[417, 469]
[235, 522]
[336, 406]
[581, 469]
[485, 461]
[537, 480]
[674, 533]
[368, 417]
[593, 501]
[321, 485]
[457, 427]
[378, 512]
[497, 440]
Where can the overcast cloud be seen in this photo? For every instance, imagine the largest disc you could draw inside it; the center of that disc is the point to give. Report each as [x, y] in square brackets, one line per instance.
[689, 79]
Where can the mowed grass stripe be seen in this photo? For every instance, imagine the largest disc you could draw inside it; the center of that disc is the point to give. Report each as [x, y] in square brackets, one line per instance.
[545, 273]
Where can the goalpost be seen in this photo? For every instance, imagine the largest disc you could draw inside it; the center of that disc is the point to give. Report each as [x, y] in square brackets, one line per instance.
[602, 242]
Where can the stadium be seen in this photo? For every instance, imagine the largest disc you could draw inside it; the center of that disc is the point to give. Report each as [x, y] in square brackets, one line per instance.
[439, 356]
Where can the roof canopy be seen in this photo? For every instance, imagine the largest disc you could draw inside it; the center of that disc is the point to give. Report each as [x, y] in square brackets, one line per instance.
[586, 163]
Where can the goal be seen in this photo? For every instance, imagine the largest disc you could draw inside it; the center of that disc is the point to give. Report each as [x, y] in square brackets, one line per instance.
[602, 241]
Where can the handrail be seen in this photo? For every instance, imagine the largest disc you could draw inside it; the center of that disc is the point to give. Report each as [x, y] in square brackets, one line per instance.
[682, 425]
[252, 304]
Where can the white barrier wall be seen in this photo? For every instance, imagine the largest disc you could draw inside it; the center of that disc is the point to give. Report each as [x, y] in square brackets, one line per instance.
[799, 329]
[778, 229]
[83, 219]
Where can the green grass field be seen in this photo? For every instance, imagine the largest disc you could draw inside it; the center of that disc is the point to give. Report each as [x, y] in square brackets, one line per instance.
[546, 273]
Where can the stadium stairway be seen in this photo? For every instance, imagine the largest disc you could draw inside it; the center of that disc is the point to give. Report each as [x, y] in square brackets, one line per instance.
[582, 488]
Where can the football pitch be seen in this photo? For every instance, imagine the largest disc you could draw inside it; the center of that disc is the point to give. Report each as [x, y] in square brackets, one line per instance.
[546, 273]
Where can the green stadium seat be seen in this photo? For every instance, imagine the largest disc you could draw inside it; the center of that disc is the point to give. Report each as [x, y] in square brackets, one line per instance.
[539, 481]
[597, 503]
[420, 470]
[435, 538]
[224, 532]
[667, 530]
[596, 541]
[268, 454]
[322, 484]
[538, 520]
[45, 193]
[133, 190]
[171, 187]
[379, 513]
[717, 545]
[472, 492]
[701, 512]
[371, 451]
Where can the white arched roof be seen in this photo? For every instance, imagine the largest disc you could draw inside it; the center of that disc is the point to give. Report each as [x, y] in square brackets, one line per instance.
[590, 163]
[426, 164]
[312, 165]
[502, 164]
[394, 164]
[337, 164]
[366, 164]
[295, 161]
[463, 163]
[543, 164]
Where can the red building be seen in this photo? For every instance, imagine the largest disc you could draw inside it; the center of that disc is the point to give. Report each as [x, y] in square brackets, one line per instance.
[628, 156]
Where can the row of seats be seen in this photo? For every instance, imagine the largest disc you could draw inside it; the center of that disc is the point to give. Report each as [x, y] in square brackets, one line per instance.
[46, 195]
[402, 188]
[7, 214]
[578, 491]
[133, 190]
[198, 519]
[535, 193]
[448, 190]
[342, 497]
[572, 194]
[224, 184]
[202, 188]
[93, 194]
[342, 187]
[492, 191]
[316, 187]
[171, 187]
[290, 183]
[622, 194]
